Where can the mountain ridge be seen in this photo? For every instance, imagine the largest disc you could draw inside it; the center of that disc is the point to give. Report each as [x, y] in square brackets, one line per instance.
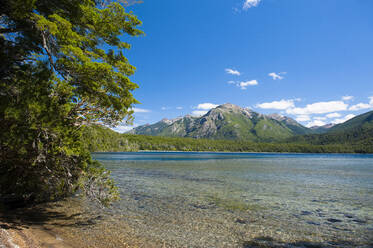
[352, 136]
[358, 130]
[227, 121]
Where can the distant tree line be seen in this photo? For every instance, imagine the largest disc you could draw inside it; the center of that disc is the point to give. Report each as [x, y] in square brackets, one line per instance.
[101, 139]
[359, 139]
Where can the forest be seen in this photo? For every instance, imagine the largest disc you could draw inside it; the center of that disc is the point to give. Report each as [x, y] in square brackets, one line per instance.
[102, 139]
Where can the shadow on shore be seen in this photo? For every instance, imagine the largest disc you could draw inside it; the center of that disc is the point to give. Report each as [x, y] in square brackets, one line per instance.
[52, 214]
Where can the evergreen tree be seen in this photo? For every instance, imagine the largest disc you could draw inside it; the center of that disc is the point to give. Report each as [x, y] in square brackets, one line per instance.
[63, 66]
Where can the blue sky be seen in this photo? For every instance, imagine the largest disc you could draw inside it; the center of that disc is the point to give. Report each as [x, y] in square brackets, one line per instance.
[311, 60]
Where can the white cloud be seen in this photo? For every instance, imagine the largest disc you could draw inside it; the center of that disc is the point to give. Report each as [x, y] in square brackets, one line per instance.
[250, 3]
[232, 71]
[243, 85]
[347, 98]
[333, 115]
[203, 108]
[346, 118]
[199, 112]
[276, 76]
[206, 106]
[360, 106]
[320, 118]
[179, 108]
[319, 108]
[315, 123]
[123, 128]
[282, 104]
[303, 118]
[140, 110]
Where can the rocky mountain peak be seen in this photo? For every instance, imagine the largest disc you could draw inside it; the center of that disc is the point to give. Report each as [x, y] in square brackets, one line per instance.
[277, 117]
[167, 121]
[283, 118]
[227, 121]
[189, 116]
[229, 106]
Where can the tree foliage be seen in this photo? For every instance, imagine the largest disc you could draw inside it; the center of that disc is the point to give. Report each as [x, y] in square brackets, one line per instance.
[63, 66]
[101, 139]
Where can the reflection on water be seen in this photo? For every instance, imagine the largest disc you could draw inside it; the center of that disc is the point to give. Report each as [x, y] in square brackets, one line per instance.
[234, 200]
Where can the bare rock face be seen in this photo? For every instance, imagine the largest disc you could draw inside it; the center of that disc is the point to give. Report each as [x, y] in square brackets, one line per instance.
[167, 121]
[229, 106]
[277, 117]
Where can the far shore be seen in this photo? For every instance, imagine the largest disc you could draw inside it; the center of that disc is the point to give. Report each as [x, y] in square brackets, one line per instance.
[295, 153]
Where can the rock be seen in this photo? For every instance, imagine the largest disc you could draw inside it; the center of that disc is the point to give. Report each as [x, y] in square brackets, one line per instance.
[334, 220]
[359, 221]
[313, 223]
[241, 221]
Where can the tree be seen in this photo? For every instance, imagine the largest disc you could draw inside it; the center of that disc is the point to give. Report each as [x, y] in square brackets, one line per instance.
[64, 67]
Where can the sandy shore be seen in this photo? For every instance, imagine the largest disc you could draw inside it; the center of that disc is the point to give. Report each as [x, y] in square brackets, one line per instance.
[62, 224]
[28, 237]
[41, 237]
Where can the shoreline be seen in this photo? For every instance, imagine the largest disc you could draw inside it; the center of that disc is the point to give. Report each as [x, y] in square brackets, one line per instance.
[29, 237]
[67, 223]
[33, 226]
[291, 153]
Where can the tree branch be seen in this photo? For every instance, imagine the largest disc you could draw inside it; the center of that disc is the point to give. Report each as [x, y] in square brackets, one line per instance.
[49, 54]
[46, 48]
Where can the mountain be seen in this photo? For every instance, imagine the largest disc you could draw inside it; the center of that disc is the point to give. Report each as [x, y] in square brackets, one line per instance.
[363, 121]
[357, 132]
[291, 124]
[227, 121]
[353, 136]
[322, 129]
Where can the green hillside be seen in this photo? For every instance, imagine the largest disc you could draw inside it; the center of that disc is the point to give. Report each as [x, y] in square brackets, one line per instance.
[357, 132]
[363, 121]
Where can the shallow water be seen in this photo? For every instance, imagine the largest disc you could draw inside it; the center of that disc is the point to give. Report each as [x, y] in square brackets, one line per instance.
[177, 199]
[243, 200]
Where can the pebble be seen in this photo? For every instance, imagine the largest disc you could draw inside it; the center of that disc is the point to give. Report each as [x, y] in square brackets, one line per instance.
[359, 221]
[349, 216]
[313, 223]
[241, 221]
[333, 220]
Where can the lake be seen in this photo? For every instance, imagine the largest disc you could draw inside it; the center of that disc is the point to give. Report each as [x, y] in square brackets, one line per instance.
[244, 199]
[177, 199]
